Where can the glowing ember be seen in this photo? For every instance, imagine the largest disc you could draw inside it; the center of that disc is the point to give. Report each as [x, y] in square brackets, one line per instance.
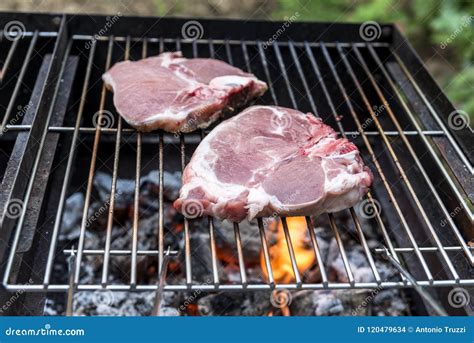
[279, 255]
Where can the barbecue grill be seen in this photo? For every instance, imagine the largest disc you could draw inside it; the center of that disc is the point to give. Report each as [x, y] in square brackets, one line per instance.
[374, 90]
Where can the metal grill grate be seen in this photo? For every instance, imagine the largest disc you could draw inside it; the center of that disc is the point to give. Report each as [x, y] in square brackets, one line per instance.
[344, 83]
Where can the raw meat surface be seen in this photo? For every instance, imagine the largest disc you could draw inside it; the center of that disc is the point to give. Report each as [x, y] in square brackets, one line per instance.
[176, 94]
[272, 161]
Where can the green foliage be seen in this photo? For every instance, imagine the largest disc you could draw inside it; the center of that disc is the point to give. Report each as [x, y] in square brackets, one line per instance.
[460, 90]
[446, 26]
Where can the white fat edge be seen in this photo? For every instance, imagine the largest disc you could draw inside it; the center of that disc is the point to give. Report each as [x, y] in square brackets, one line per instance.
[338, 203]
[167, 115]
[169, 58]
[345, 179]
[229, 81]
[109, 80]
[258, 200]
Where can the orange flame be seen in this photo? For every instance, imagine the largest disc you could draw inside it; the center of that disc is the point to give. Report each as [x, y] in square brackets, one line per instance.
[279, 256]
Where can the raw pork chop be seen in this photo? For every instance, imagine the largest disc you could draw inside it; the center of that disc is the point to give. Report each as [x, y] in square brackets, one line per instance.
[176, 94]
[272, 161]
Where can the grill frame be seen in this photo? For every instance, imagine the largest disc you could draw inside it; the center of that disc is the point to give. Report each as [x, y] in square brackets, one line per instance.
[299, 35]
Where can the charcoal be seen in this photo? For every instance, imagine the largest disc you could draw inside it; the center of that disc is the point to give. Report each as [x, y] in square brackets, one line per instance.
[149, 192]
[107, 303]
[327, 303]
[389, 303]
[235, 304]
[201, 261]
[72, 217]
[124, 190]
[171, 184]
[249, 235]
[323, 237]
[169, 312]
[358, 263]
[319, 303]
[97, 216]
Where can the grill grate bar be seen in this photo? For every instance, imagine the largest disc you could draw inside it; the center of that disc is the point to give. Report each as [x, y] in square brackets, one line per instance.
[187, 243]
[110, 219]
[365, 246]
[90, 180]
[8, 59]
[303, 78]
[240, 255]
[342, 250]
[317, 252]
[397, 163]
[161, 223]
[291, 251]
[107, 130]
[267, 73]
[117, 252]
[238, 287]
[266, 253]
[203, 41]
[136, 209]
[283, 69]
[136, 200]
[376, 163]
[19, 82]
[212, 239]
